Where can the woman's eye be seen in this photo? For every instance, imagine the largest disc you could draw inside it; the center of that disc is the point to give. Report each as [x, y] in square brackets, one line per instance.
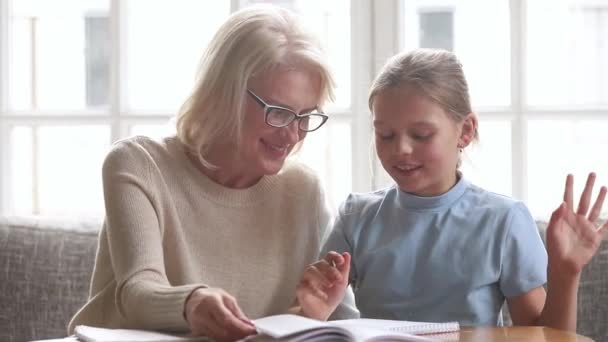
[384, 136]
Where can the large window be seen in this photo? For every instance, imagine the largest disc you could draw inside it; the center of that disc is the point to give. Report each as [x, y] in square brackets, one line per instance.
[75, 76]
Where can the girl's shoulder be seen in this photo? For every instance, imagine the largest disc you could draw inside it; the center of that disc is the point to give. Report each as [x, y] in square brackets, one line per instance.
[498, 205]
[492, 199]
[365, 202]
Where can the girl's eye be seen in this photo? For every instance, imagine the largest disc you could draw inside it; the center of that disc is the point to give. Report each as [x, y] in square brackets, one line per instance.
[422, 137]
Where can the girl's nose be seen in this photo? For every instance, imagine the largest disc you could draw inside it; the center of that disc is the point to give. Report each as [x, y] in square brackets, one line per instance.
[403, 146]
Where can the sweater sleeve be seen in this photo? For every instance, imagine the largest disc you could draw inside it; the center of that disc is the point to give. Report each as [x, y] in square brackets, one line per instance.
[144, 296]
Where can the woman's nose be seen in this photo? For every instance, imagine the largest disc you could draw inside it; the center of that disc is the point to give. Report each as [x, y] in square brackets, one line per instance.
[292, 132]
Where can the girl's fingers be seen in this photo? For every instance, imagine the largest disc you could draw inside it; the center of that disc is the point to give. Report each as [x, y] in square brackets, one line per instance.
[310, 287]
[557, 215]
[345, 267]
[594, 214]
[315, 275]
[568, 196]
[333, 258]
[583, 204]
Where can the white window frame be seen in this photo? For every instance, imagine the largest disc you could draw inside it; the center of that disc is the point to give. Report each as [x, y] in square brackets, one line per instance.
[376, 29]
[119, 119]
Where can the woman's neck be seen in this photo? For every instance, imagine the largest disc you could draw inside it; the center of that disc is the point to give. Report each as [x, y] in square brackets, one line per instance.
[227, 172]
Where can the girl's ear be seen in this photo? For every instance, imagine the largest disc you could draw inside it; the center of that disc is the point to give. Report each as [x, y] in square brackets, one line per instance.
[469, 130]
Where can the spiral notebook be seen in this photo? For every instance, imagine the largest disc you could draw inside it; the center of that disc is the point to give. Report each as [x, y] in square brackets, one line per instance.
[292, 328]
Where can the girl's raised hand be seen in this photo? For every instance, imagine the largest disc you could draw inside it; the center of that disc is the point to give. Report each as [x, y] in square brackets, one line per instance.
[323, 285]
[573, 237]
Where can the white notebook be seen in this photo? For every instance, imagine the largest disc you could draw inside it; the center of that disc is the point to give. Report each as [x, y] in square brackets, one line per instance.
[93, 334]
[292, 328]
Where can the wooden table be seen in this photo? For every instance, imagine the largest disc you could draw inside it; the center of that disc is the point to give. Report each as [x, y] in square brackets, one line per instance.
[532, 334]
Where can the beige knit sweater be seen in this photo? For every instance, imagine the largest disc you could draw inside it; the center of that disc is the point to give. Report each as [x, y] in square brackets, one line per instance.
[169, 229]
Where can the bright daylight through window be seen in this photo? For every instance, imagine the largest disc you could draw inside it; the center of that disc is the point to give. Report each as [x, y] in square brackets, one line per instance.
[78, 75]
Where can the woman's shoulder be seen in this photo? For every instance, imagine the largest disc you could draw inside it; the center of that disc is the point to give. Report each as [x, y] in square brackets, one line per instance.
[136, 151]
[142, 143]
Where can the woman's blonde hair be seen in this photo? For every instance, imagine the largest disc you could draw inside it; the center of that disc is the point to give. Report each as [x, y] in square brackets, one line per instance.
[437, 74]
[252, 42]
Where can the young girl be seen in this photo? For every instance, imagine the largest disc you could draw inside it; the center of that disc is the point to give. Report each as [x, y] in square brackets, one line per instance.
[435, 247]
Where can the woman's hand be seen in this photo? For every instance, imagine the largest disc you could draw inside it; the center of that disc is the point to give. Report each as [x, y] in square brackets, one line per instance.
[572, 237]
[214, 313]
[323, 285]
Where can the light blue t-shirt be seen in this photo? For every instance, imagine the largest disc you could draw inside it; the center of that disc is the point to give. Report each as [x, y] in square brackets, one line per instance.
[454, 257]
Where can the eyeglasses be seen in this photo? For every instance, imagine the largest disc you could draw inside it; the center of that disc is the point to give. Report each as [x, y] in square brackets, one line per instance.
[277, 116]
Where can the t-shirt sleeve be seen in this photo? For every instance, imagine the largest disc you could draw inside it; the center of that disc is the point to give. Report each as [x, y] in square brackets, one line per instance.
[524, 257]
[325, 218]
[338, 242]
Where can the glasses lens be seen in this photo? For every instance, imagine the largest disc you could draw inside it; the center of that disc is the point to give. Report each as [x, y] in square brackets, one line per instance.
[279, 117]
[311, 122]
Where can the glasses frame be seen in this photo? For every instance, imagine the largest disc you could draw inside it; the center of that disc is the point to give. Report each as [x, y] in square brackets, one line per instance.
[268, 107]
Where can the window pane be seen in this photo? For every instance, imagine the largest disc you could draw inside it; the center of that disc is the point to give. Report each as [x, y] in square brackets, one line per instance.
[57, 170]
[567, 54]
[559, 147]
[477, 32]
[59, 55]
[437, 29]
[330, 20]
[487, 163]
[154, 130]
[165, 40]
[21, 163]
[328, 151]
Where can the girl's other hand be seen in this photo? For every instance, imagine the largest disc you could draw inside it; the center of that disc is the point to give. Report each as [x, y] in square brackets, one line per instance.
[323, 285]
[573, 237]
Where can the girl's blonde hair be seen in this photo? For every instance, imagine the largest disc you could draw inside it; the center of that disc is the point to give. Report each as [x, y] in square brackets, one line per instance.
[251, 43]
[437, 74]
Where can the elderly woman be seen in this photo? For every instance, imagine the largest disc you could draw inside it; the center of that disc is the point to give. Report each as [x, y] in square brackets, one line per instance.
[213, 227]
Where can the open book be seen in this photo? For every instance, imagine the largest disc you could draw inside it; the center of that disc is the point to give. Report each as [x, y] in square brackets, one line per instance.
[92, 334]
[292, 328]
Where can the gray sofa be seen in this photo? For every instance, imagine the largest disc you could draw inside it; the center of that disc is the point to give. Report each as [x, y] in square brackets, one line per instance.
[45, 269]
[46, 265]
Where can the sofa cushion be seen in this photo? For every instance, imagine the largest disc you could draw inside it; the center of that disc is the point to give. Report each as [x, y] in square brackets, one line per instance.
[45, 270]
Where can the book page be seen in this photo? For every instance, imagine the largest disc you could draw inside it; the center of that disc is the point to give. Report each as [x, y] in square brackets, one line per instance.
[93, 334]
[410, 327]
[294, 328]
[284, 325]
